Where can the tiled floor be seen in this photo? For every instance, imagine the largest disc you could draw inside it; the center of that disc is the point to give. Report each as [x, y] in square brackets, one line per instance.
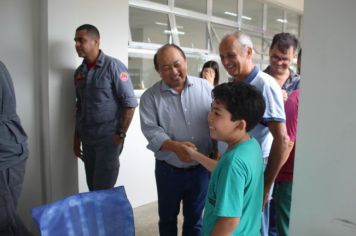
[146, 220]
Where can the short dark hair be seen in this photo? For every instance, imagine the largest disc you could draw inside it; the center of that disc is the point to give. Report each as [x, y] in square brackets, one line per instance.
[215, 66]
[91, 30]
[164, 47]
[242, 100]
[284, 41]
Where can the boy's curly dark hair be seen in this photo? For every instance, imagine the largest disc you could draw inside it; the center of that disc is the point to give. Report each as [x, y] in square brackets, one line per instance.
[242, 100]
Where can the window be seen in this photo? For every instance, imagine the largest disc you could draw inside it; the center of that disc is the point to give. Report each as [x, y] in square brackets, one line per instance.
[257, 46]
[189, 24]
[225, 9]
[191, 33]
[275, 19]
[142, 72]
[192, 5]
[292, 24]
[148, 26]
[252, 13]
[218, 32]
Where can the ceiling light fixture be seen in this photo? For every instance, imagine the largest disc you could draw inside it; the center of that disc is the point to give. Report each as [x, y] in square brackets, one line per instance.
[160, 23]
[282, 20]
[230, 13]
[235, 15]
[170, 32]
[246, 17]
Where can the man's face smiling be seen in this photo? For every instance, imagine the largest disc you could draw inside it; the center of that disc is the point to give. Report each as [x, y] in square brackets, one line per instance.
[172, 68]
[221, 126]
[233, 57]
[280, 61]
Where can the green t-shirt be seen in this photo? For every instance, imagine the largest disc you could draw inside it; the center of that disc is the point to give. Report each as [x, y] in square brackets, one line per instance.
[236, 189]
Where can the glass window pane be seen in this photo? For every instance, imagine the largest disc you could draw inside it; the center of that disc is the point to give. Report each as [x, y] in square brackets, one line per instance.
[142, 72]
[191, 33]
[293, 23]
[265, 49]
[195, 63]
[225, 9]
[196, 5]
[220, 31]
[266, 43]
[257, 46]
[252, 13]
[275, 19]
[148, 26]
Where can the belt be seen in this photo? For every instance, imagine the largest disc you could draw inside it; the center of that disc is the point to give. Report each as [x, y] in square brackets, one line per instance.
[189, 168]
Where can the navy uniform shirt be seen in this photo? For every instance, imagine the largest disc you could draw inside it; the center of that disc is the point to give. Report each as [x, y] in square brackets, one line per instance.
[166, 114]
[102, 92]
[13, 139]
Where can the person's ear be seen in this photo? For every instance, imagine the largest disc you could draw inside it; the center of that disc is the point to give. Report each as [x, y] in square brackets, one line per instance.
[249, 52]
[97, 42]
[241, 125]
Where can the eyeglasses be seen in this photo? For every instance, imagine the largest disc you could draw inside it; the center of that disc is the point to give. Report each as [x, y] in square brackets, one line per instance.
[276, 58]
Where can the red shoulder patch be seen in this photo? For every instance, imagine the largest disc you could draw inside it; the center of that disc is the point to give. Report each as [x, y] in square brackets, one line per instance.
[124, 76]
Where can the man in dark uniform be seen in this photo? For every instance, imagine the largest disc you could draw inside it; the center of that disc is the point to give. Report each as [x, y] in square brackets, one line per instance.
[13, 155]
[105, 107]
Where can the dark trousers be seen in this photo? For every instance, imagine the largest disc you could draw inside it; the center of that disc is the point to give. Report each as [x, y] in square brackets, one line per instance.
[174, 186]
[101, 162]
[283, 201]
[11, 180]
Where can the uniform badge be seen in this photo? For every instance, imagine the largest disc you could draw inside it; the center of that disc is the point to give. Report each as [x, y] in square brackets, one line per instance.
[124, 76]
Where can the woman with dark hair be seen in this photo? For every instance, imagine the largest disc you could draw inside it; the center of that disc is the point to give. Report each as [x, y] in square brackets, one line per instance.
[210, 72]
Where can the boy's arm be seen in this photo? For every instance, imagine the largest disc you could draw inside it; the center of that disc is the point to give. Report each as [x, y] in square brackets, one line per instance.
[205, 161]
[225, 226]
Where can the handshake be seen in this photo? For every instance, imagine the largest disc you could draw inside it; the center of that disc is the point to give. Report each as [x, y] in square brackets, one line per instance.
[188, 152]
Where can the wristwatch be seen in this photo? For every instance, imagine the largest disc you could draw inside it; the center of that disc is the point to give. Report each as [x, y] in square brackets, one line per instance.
[121, 133]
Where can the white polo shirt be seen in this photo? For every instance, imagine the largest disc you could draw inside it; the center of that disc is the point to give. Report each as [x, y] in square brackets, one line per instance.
[272, 94]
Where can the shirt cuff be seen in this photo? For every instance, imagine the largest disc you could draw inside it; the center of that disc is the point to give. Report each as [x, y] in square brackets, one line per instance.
[130, 102]
[156, 143]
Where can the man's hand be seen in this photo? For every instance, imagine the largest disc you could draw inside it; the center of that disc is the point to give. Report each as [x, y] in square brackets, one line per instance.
[285, 95]
[190, 150]
[118, 140]
[265, 197]
[179, 148]
[183, 150]
[209, 74]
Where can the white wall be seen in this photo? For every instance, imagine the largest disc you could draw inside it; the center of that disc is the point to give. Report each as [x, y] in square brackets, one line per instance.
[324, 191]
[111, 18]
[38, 48]
[18, 45]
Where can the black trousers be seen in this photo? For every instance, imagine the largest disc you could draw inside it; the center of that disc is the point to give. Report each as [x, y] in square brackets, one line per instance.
[11, 180]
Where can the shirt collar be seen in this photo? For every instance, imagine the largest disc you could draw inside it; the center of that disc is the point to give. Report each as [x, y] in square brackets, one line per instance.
[99, 61]
[165, 87]
[252, 75]
[292, 75]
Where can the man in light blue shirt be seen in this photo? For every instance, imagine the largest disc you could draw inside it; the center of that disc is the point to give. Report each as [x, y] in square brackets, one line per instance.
[174, 113]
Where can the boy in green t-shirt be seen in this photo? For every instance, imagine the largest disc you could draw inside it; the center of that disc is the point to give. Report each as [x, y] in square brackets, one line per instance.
[234, 202]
